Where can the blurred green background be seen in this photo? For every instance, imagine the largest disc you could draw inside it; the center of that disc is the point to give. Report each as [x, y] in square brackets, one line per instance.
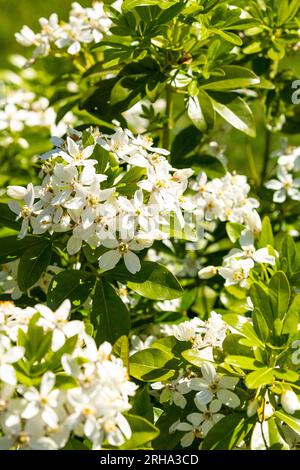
[15, 13]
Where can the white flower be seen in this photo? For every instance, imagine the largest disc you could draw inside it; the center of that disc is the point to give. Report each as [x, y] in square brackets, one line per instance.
[198, 424]
[210, 415]
[139, 344]
[58, 322]
[214, 386]
[174, 391]
[26, 37]
[192, 429]
[186, 331]
[236, 271]
[77, 155]
[8, 356]
[290, 160]
[43, 401]
[248, 250]
[284, 186]
[28, 210]
[121, 249]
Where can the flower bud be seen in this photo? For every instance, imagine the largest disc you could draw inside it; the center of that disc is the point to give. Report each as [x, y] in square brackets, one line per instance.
[207, 272]
[290, 402]
[16, 192]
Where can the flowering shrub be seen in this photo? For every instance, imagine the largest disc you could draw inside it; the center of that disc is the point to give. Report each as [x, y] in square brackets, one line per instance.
[149, 229]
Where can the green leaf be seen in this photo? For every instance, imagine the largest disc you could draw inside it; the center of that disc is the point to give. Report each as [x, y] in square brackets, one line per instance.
[279, 289]
[227, 433]
[151, 365]
[110, 316]
[228, 36]
[244, 362]
[33, 263]
[102, 156]
[121, 350]
[295, 279]
[262, 376]
[201, 112]
[127, 185]
[286, 375]
[262, 301]
[260, 325]
[54, 361]
[266, 235]
[288, 251]
[87, 139]
[142, 430]
[234, 320]
[231, 346]
[234, 231]
[142, 405]
[170, 13]
[165, 440]
[70, 284]
[249, 332]
[292, 318]
[234, 77]
[185, 142]
[287, 11]
[12, 247]
[131, 4]
[235, 111]
[211, 165]
[153, 281]
[193, 357]
[8, 218]
[291, 421]
[93, 254]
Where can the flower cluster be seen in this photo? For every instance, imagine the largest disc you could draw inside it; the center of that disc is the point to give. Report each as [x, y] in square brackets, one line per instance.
[74, 197]
[213, 392]
[227, 199]
[286, 185]
[204, 335]
[20, 108]
[85, 26]
[72, 389]
[209, 392]
[237, 265]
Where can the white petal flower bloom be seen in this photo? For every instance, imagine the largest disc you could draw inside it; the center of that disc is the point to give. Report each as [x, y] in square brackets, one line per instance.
[284, 186]
[214, 386]
[249, 251]
[236, 271]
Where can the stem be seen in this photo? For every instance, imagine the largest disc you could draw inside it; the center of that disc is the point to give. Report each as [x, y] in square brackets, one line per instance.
[266, 157]
[168, 124]
[251, 163]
